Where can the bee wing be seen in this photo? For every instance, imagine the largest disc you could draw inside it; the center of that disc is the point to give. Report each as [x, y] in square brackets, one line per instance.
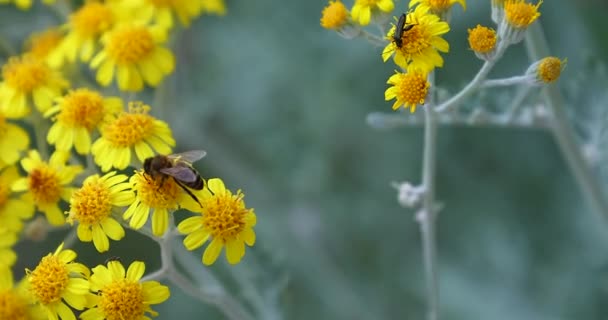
[181, 173]
[188, 156]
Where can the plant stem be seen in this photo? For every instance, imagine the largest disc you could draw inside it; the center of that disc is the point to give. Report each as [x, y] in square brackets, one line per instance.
[537, 47]
[427, 217]
[41, 128]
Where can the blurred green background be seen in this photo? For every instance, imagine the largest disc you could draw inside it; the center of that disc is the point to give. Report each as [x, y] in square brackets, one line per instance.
[280, 105]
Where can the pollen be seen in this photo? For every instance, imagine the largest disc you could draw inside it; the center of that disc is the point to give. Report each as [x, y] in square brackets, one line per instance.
[482, 39]
[520, 14]
[92, 202]
[334, 15]
[26, 73]
[41, 44]
[44, 184]
[130, 45]
[12, 306]
[224, 215]
[159, 192]
[550, 68]
[410, 89]
[49, 280]
[130, 128]
[414, 41]
[92, 19]
[122, 299]
[82, 108]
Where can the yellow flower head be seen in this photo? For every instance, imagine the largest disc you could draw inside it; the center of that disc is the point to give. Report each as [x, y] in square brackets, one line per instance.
[421, 43]
[225, 220]
[334, 15]
[58, 281]
[134, 52]
[15, 301]
[135, 130]
[92, 206]
[13, 140]
[85, 26]
[26, 78]
[546, 70]
[362, 9]
[41, 44]
[7, 255]
[438, 7]
[410, 89]
[13, 210]
[47, 183]
[122, 295]
[161, 11]
[78, 113]
[518, 16]
[482, 41]
[217, 7]
[159, 195]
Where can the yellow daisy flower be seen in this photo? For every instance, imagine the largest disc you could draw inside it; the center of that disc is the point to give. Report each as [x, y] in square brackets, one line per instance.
[159, 196]
[518, 16]
[122, 295]
[7, 255]
[15, 301]
[438, 7]
[47, 183]
[79, 113]
[362, 9]
[162, 11]
[134, 130]
[84, 29]
[27, 79]
[25, 4]
[217, 7]
[13, 210]
[13, 140]
[92, 206]
[334, 15]
[134, 52]
[225, 220]
[482, 41]
[419, 45]
[58, 281]
[41, 44]
[410, 89]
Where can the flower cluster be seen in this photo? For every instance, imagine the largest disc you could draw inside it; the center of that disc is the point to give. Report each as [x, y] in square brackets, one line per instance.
[99, 165]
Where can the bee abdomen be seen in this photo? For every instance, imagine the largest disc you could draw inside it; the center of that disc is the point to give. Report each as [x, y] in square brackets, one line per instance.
[197, 184]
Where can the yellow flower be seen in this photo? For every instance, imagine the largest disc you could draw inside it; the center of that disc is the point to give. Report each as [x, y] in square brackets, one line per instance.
[85, 26]
[7, 255]
[13, 210]
[134, 53]
[334, 15]
[42, 44]
[134, 130]
[161, 196]
[162, 11]
[122, 295]
[217, 7]
[518, 16]
[25, 4]
[362, 9]
[420, 43]
[438, 7]
[13, 140]
[79, 113]
[546, 70]
[27, 78]
[410, 89]
[58, 281]
[92, 207]
[482, 41]
[15, 301]
[225, 220]
[47, 183]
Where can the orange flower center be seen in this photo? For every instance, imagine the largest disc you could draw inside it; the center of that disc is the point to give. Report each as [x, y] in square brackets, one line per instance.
[12, 306]
[520, 14]
[439, 5]
[414, 41]
[44, 184]
[482, 39]
[412, 88]
[161, 3]
[549, 69]
[122, 299]
[25, 74]
[130, 45]
[43, 43]
[156, 192]
[224, 215]
[334, 15]
[82, 108]
[91, 203]
[130, 128]
[49, 280]
[92, 19]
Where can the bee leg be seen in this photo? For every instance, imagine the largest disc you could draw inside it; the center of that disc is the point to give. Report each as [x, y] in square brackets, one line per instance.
[188, 192]
[205, 185]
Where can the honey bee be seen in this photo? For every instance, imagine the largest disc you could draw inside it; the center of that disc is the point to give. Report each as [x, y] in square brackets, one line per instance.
[179, 167]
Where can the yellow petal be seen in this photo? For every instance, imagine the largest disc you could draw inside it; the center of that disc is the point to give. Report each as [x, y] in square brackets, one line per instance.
[212, 251]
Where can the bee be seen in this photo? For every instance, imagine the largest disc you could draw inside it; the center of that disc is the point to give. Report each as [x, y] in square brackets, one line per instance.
[400, 29]
[179, 167]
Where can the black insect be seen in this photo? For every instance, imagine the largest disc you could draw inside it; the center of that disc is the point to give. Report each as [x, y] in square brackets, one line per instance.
[179, 167]
[400, 29]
